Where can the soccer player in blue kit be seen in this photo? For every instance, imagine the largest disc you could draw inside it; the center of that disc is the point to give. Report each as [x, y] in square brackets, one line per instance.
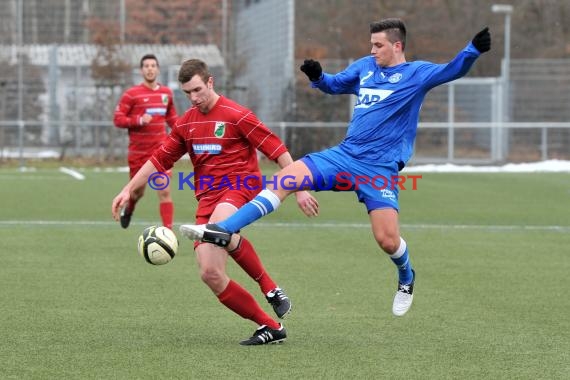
[378, 143]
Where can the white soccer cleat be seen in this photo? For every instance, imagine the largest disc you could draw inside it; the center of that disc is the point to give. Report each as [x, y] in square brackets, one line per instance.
[403, 298]
[192, 231]
[206, 233]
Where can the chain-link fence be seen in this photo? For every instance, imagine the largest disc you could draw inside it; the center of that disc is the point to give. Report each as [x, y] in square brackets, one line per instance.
[52, 104]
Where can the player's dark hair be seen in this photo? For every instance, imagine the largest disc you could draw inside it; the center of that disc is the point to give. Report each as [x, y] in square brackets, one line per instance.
[149, 56]
[193, 67]
[393, 27]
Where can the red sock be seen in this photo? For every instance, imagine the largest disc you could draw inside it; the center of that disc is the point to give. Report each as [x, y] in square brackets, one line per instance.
[167, 213]
[248, 259]
[238, 300]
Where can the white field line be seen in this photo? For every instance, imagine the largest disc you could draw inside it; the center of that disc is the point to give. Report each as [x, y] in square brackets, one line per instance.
[74, 173]
[332, 225]
[31, 178]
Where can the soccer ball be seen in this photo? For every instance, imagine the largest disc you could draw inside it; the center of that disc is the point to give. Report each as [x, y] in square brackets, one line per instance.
[157, 245]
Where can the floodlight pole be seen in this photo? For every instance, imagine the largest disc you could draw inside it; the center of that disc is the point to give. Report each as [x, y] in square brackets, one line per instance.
[20, 57]
[507, 10]
[505, 67]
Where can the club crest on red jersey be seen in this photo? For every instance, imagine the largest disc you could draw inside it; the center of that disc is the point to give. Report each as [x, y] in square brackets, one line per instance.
[219, 129]
[164, 99]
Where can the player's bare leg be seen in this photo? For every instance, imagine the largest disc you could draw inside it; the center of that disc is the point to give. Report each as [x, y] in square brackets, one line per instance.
[386, 231]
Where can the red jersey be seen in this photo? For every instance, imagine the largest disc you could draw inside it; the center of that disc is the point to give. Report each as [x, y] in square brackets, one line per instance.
[135, 102]
[222, 145]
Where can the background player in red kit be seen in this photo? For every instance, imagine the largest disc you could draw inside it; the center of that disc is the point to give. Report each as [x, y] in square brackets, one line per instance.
[145, 109]
[222, 139]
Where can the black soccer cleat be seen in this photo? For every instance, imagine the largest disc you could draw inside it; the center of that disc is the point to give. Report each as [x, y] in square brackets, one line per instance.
[265, 335]
[125, 217]
[207, 233]
[280, 302]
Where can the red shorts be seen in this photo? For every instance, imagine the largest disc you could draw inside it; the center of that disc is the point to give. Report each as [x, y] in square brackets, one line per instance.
[208, 203]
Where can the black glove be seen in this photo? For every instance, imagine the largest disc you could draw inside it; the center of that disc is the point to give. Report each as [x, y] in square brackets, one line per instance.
[312, 69]
[482, 41]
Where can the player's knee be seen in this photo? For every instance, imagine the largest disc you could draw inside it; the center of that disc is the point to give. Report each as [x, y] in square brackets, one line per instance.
[388, 243]
[164, 197]
[212, 276]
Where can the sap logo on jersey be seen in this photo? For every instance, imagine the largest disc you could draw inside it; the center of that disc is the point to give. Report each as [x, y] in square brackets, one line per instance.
[367, 97]
[207, 148]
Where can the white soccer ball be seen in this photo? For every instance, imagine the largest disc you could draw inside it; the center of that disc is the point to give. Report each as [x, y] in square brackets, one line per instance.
[158, 245]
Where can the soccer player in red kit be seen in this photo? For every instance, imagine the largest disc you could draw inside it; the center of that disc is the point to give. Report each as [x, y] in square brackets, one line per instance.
[144, 110]
[222, 139]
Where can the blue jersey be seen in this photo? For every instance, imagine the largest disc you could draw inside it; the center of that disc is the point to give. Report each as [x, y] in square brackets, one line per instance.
[386, 114]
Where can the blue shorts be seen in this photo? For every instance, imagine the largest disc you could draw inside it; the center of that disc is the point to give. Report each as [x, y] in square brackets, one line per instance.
[375, 185]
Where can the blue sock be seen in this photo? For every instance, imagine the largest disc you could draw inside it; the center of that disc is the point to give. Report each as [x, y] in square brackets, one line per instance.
[402, 260]
[264, 203]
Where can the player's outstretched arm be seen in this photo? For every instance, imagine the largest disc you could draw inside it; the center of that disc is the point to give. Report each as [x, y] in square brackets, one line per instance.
[136, 184]
[460, 65]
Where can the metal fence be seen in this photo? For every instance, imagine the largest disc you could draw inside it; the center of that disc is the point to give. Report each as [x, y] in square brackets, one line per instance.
[465, 122]
[461, 122]
[459, 142]
[50, 107]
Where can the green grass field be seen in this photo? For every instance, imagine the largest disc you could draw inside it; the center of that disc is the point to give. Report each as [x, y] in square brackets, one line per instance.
[491, 253]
